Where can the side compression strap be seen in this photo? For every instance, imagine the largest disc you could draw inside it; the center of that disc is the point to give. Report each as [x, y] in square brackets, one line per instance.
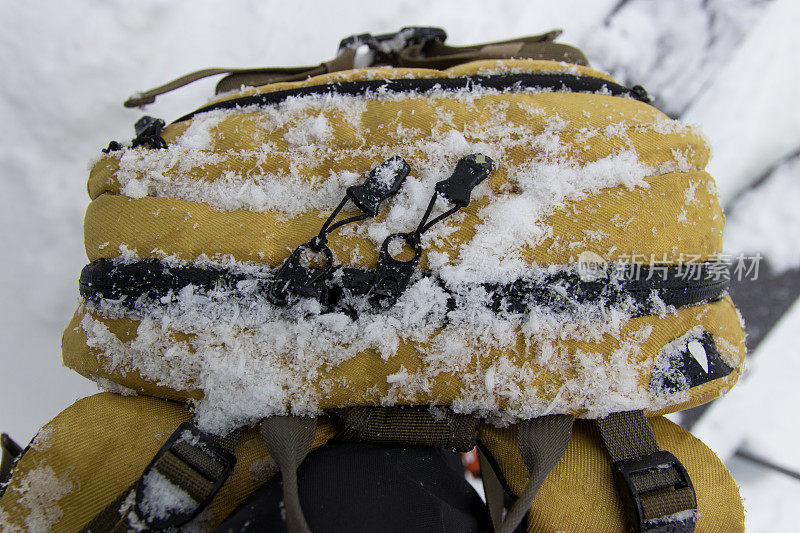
[193, 462]
[655, 488]
[288, 440]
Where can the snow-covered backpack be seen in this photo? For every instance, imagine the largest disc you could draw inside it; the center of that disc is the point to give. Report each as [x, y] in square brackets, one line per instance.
[410, 245]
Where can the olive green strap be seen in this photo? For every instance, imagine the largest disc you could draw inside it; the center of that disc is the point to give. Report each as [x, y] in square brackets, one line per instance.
[262, 76]
[192, 461]
[432, 53]
[245, 76]
[542, 442]
[438, 55]
[654, 485]
[408, 426]
[493, 490]
[288, 440]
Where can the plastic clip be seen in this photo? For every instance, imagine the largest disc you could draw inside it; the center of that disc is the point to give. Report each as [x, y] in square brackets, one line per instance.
[632, 475]
[189, 448]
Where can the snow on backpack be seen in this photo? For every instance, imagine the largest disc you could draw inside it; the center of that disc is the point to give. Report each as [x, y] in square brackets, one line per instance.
[491, 245]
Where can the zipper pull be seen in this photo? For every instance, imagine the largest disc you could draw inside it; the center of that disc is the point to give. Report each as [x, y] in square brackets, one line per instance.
[148, 131]
[383, 182]
[392, 276]
[293, 278]
[469, 172]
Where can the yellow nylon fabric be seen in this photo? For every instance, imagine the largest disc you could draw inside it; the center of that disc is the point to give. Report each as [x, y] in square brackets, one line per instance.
[392, 127]
[362, 380]
[101, 444]
[580, 494]
[157, 226]
[673, 218]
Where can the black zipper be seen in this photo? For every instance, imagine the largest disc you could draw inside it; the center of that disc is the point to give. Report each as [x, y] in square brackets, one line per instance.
[517, 82]
[642, 289]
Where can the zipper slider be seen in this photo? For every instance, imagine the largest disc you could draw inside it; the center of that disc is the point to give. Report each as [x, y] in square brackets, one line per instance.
[392, 275]
[148, 131]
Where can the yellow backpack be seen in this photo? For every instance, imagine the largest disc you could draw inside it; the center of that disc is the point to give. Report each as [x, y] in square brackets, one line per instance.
[493, 245]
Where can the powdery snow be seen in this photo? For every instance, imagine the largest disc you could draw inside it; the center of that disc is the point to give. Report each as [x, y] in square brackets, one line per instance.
[253, 359]
[161, 498]
[39, 491]
[512, 221]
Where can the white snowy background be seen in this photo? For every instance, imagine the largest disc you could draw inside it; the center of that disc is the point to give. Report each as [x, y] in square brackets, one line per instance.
[729, 66]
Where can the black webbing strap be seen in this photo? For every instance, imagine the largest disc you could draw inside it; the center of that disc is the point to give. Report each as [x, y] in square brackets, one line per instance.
[655, 487]
[288, 440]
[193, 462]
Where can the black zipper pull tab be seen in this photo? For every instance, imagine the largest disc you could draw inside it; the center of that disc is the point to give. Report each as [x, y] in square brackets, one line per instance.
[469, 172]
[392, 275]
[383, 182]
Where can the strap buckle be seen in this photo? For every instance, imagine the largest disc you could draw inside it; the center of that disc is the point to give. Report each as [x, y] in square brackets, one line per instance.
[659, 475]
[388, 43]
[183, 477]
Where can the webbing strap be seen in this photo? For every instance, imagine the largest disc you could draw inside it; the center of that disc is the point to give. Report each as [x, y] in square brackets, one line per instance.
[432, 53]
[190, 461]
[408, 426]
[245, 76]
[288, 440]
[438, 55]
[542, 442]
[493, 490]
[655, 487]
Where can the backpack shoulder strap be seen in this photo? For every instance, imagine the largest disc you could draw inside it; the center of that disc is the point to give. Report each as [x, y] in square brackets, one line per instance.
[541, 442]
[288, 440]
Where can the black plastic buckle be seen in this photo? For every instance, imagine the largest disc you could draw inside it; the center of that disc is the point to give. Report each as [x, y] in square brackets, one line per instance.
[391, 275]
[294, 279]
[627, 469]
[408, 36]
[203, 443]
